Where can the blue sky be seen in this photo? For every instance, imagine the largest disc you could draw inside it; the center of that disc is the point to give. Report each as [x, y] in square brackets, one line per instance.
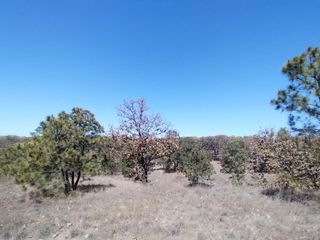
[208, 67]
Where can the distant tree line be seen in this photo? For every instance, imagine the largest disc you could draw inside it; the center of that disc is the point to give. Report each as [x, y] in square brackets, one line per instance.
[7, 141]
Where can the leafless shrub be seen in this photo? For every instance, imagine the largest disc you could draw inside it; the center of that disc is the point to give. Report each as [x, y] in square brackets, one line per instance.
[142, 139]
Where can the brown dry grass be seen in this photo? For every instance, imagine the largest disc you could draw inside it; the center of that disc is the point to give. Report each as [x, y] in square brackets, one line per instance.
[166, 208]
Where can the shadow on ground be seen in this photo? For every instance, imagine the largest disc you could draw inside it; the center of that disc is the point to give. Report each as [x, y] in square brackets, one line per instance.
[200, 184]
[94, 187]
[292, 196]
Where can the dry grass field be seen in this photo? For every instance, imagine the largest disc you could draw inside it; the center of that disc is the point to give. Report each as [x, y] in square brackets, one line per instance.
[113, 207]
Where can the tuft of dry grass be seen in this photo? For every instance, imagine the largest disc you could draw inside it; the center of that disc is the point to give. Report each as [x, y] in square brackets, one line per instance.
[114, 207]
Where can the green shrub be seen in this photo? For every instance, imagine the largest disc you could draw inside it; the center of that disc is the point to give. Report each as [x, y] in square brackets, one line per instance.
[233, 159]
[174, 162]
[197, 166]
[28, 164]
[62, 148]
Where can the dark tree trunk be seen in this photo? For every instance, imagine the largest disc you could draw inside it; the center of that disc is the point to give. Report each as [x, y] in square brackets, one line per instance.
[77, 181]
[68, 185]
[145, 175]
[144, 171]
[72, 180]
[65, 178]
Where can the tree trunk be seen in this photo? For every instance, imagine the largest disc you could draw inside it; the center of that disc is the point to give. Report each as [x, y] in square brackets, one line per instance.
[62, 174]
[77, 181]
[145, 175]
[143, 172]
[142, 169]
[72, 180]
[65, 178]
[68, 185]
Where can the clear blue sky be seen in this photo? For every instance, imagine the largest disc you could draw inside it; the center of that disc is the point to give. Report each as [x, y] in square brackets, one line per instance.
[208, 67]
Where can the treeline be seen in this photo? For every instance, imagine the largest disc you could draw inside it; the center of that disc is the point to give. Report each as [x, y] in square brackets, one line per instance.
[292, 161]
[72, 145]
[7, 141]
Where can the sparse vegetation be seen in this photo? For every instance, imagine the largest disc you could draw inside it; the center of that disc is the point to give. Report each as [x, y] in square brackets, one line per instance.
[67, 147]
[166, 208]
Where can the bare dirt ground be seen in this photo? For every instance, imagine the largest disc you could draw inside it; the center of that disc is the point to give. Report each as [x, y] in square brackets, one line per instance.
[166, 208]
